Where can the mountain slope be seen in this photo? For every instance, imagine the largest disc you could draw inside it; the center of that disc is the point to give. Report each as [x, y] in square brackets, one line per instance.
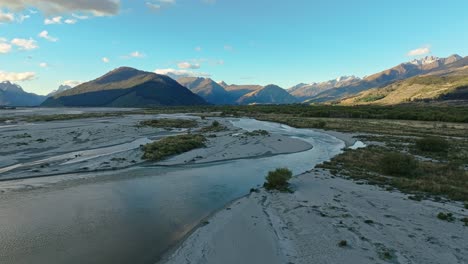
[127, 87]
[448, 83]
[237, 91]
[270, 94]
[208, 89]
[400, 72]
[13, 95]
[306, 91]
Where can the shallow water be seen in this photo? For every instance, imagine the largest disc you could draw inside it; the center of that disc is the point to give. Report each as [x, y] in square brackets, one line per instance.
[134, 215]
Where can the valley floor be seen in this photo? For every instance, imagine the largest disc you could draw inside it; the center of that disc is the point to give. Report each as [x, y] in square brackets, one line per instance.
[328, 220]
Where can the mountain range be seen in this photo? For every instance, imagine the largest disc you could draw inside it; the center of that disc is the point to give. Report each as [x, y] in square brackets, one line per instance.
[126, 87]
[13, 95]
[400, 72]
[224, 94]
[425, 79]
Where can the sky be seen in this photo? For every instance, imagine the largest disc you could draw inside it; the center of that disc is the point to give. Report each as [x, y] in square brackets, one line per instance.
[46, 43]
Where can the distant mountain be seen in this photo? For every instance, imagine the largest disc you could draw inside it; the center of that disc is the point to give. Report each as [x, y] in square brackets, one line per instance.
[208, 89]
[400, 72]
[13, 95]
[126, 87]
[237, 91]
[59, 90]
[270, 94]
[448, 81]
[306, 91]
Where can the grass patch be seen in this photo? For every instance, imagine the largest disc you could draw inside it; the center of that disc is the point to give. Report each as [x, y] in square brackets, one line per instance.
[170, 123]
[432, 144]
[171, 146]
[403, 172]
[278, 180]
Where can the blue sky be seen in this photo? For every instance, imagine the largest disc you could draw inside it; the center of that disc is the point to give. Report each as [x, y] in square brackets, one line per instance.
[48, 42]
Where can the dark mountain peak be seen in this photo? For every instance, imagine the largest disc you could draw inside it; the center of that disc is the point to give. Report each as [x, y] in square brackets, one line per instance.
[270, 94]
[122, 74]
[271, 87]
[126, 87]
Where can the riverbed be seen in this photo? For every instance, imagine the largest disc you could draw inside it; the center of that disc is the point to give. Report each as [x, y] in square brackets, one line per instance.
[134, 215]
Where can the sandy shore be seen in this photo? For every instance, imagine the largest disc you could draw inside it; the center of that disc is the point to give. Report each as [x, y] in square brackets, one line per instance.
[307, 226]
[235, 143]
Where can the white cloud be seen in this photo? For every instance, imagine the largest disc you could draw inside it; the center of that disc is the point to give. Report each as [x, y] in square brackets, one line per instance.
[70, 21]
[105, 60]
[6, 17]
[16, 76]
[188, 65]
[176, 74]
[209, 1]
[419, 51]
[157, 5]
[153, 6]
[22, 18]
[81, 17]
[198, 48]
[53, 20]
[25, 44]
[43, 65]
[135, 54]
[72, 83]
[51, 7]
[228, 48]
[4, 47]
[45, 35]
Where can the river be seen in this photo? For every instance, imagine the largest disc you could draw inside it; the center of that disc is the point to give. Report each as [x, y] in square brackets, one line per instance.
[135, 215]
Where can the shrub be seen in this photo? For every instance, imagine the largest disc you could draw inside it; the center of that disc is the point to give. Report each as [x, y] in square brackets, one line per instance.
[343, 243]
[170, 123]
[432, 144]
[259, 132]
[398, 164]
[446, 217]
[278, 179]
[170, 146]
[465, 221]
[215, 127]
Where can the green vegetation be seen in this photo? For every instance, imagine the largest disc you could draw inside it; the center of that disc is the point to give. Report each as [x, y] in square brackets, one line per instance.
[259, 132]
[432, 178]
[173, 145]
[278, 180]
[465, 221]
[61, 117]
[215, 127]
[371, 98]
[170, 123]
[432, 144]
[398, 164]
[446, 217]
